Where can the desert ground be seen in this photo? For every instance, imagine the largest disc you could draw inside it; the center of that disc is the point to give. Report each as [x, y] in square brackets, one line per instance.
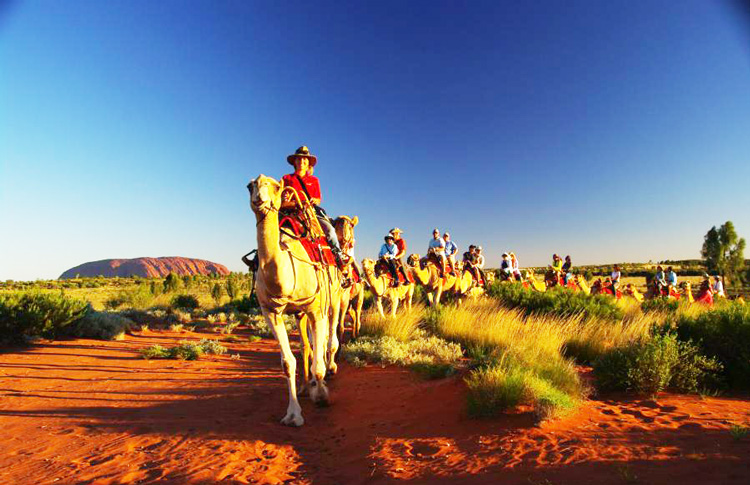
[95, 412]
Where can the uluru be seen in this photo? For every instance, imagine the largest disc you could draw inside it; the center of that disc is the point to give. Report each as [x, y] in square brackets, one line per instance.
[146, 267]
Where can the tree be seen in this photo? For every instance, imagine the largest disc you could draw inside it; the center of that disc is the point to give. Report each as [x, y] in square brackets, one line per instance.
[723, 252]
[217, 293]
[171, 283]
[233, 287]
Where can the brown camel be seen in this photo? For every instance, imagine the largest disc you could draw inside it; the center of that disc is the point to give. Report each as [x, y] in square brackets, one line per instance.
[288, 282]
[465, 286]
[429, 277]
[381, 288]
[352, 298]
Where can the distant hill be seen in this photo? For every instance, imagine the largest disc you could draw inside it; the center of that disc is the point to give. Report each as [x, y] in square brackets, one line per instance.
[146, 267]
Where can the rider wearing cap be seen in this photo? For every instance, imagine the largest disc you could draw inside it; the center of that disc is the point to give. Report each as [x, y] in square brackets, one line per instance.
[388, 252]
[401, 245]
[308, 188]
[450, 249]
[436, 247]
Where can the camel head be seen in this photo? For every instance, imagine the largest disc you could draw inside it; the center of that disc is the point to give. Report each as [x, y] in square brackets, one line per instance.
[412, 260]
[530, 276]
[368, 265]
[459, 266]
[345, 229]
[265, 194]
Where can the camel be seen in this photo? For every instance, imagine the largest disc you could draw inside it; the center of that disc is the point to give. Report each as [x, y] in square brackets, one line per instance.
[465, 286]
[582, 284]
[382, 289]
[631, 291]
[429, 277]
[534, 283]
[352, 298]
[288, 282]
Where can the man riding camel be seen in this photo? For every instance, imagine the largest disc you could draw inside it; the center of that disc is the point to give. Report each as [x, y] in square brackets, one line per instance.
[436, 249]
[387, 254]
[470, 262]
[308, 188]
[401, 245]
[450, 249]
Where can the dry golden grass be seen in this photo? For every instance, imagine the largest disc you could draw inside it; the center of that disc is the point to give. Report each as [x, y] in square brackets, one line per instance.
[402, 327]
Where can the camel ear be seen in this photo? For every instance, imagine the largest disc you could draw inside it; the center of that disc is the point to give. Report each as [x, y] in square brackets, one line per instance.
[355, 221]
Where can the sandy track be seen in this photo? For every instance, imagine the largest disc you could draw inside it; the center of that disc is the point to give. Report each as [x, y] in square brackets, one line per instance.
[94, 412]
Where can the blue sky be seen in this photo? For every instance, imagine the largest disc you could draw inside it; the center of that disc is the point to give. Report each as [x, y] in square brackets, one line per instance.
[610, 131]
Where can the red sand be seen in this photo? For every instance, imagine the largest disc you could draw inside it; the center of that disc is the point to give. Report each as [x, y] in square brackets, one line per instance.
[94, 412]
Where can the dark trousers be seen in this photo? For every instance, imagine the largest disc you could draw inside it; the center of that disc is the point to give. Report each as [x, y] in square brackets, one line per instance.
[392, 268]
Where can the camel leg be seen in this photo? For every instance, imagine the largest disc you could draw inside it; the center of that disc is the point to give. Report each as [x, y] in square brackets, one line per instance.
[357, 322]
[318, 389]
[438, 293]
[333, 334]
[304, 329]
[394, 304]
[379, 305]
[431, 298]
[410, 296]
[293, 415]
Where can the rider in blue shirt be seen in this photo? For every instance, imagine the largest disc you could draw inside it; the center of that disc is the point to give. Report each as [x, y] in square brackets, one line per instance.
[388, 252]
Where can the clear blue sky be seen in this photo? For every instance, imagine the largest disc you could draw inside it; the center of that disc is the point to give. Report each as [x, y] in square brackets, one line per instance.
[610, 131]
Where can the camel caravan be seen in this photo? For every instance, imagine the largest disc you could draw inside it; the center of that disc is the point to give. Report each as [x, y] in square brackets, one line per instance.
[305, 267]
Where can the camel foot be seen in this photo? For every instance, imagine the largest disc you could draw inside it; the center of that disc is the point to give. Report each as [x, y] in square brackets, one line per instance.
[293, 419]
[333, 368]
[319, 394]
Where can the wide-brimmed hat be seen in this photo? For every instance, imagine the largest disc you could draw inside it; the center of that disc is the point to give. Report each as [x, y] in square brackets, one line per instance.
[302, 151]
[395, 230]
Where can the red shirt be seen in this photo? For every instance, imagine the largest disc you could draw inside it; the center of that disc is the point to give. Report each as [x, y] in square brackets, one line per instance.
[311, 184]
[401, 245]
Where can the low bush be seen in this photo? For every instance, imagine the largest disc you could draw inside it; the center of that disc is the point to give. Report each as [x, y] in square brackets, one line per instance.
[723, 333]
[422, 350]
[506, 385]
[184, 350]
[245, 304]
[102, 325]
[403, 326]
[188, 302]
[137, 297]
[26, 315]
[662, 305]
[655, 364]
[557, 301]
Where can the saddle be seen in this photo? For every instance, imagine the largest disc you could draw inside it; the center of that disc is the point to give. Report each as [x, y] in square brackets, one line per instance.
[381, 269]
[291, 224]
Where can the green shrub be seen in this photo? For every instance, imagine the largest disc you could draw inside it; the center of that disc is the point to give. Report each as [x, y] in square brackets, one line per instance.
[26, 315]
[217, 292]
[233, 287]
[138, 297]
[494, 389]
[723, 333]
[185, 301]
[102, 325]
[654, 365]
[245, 304]
[422, 349]
[663, 305]
[557, 301]
[172, 283]
[184, 350]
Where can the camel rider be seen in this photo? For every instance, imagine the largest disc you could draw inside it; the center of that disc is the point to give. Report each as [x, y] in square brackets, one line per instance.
[514, 264]
[506, 267]
[480, 262]
[556, 264]
[615, 279]
[436, 247]
[401, 246]
[470, 261]
[718, 287]
[660, 281]
[450, 249]
[671, 280]
[388, 253]
[308, 188]
[566, 269]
